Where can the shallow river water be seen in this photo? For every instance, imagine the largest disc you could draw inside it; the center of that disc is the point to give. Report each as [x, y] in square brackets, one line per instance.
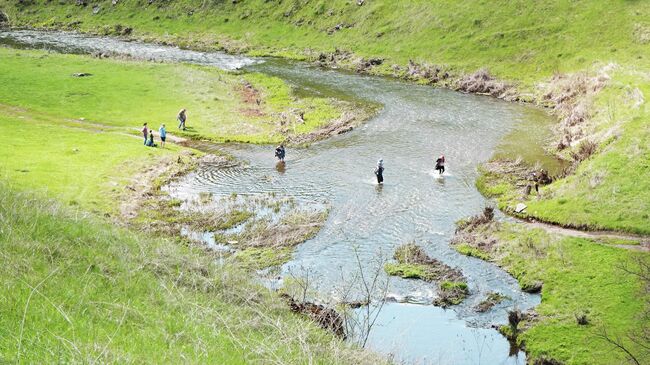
[416, 124]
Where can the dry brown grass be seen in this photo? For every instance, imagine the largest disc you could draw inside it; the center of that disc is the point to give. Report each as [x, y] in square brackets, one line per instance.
[481, 82]
[296, 227]
[477, 231]
[571, 97]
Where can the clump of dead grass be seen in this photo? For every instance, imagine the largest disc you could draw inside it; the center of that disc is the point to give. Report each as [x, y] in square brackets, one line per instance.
[571, 97]
[482, 82]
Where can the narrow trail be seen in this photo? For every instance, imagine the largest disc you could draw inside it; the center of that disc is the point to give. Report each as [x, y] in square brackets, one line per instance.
[597, 236]
[170, 137]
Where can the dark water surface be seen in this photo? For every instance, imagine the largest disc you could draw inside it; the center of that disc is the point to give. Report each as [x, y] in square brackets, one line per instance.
[416, 124]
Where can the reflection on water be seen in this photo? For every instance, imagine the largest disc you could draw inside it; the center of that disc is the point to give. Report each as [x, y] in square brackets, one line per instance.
[412, 333]
[417, 124]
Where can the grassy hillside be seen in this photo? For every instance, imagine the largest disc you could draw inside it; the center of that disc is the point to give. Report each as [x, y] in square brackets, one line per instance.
[521, 40]
[75, 290]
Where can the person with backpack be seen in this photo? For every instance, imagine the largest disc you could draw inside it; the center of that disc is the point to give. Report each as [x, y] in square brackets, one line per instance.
[280, 152]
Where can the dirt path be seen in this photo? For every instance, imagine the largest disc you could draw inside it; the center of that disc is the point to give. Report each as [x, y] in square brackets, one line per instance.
[597, 236]
[170, 137]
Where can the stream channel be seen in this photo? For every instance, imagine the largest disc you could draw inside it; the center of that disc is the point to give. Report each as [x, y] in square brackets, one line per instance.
[416, 124]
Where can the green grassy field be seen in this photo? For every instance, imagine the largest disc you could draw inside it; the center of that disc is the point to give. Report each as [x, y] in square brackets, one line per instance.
[580, 277]
[84, 166]
[78, 290]
[129, 93]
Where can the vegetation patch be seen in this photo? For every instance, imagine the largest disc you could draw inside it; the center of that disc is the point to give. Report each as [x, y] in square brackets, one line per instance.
[258, 258]
[296, 227]
[262, 229]
[451, 293]
[492, 299]
[414, 263]
[472, 251]
[474, 236]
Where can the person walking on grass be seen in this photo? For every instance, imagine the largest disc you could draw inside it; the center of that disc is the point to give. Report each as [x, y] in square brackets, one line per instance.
[163, 135]
[379, 171]
[145, 133]
[181, 117]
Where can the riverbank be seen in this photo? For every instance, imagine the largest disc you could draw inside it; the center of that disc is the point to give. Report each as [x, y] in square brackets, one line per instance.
[578, 321]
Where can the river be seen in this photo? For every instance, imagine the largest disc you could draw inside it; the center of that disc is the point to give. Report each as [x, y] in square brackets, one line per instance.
[416, 124]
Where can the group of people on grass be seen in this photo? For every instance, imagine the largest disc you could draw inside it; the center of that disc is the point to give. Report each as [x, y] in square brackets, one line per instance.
[162, 131]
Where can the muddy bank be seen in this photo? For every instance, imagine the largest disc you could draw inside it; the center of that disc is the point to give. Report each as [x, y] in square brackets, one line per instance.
[326, 318]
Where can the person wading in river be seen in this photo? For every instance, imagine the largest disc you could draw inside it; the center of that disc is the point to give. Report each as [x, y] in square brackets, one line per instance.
[440, 164]
[379, 171]
[163, 135]
[145, 133]
[181, 117]
[280, 152]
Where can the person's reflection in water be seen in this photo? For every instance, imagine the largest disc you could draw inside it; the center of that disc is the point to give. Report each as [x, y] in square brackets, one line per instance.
[281, 167]
[379, 188]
